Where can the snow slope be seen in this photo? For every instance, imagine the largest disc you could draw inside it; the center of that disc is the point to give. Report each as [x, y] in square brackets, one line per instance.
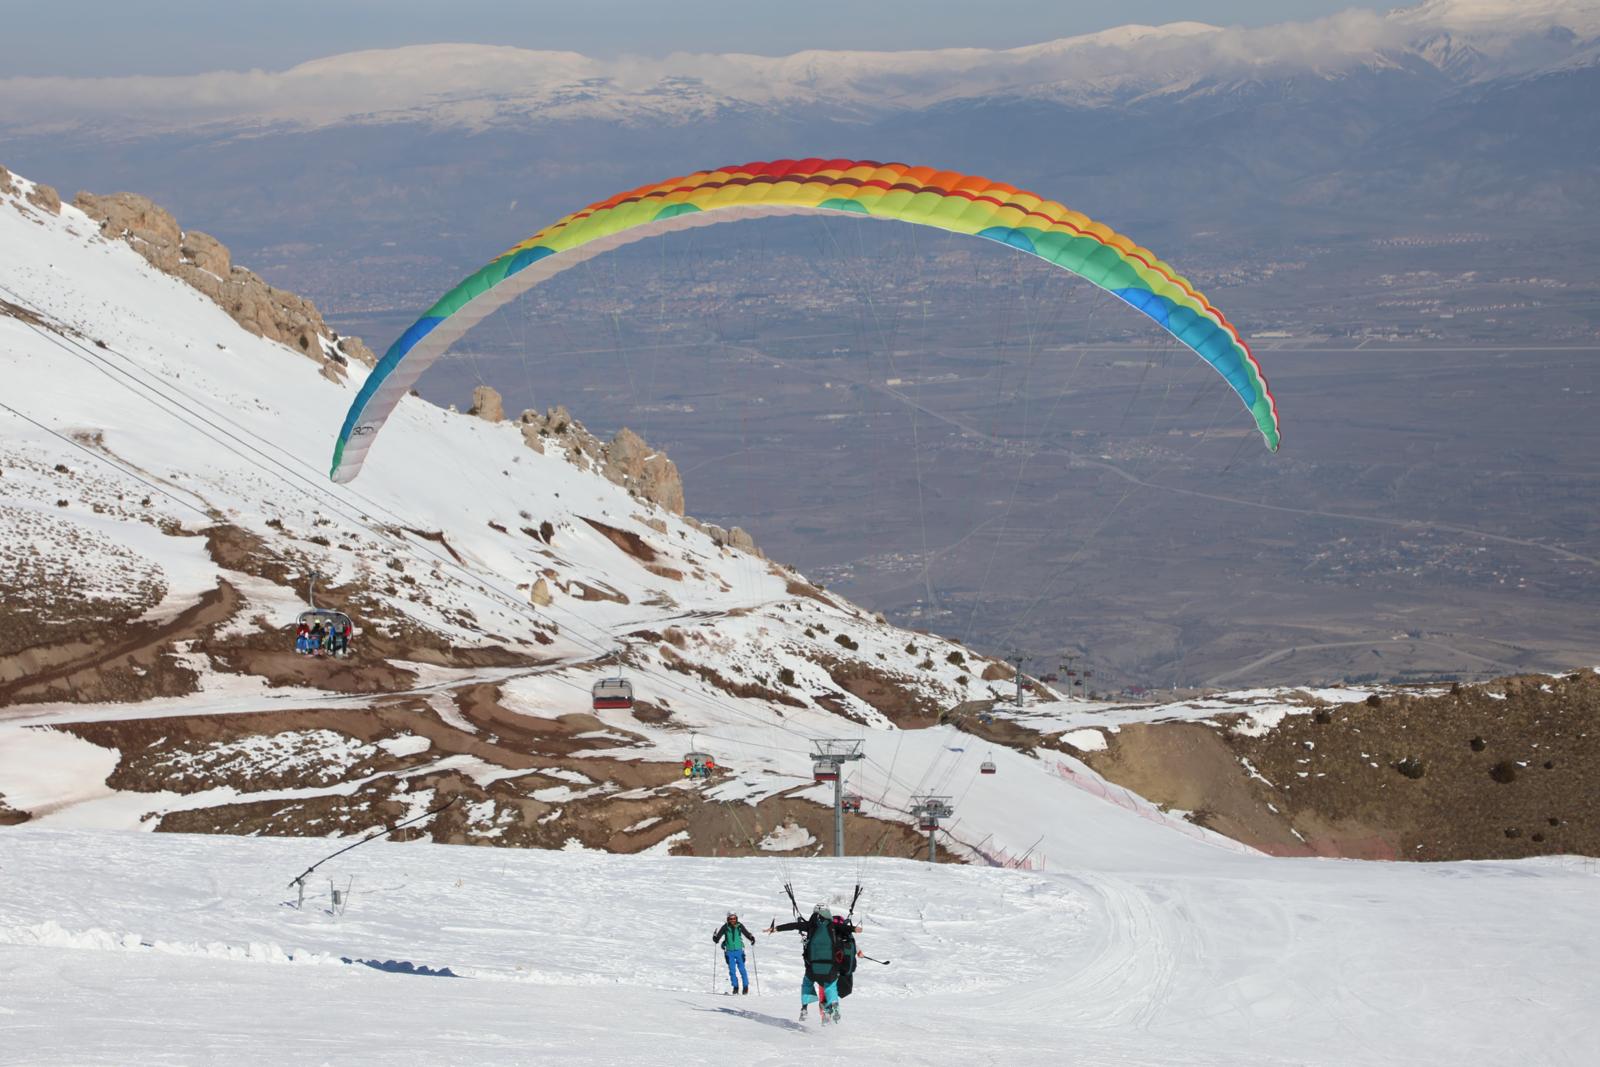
[184, 950]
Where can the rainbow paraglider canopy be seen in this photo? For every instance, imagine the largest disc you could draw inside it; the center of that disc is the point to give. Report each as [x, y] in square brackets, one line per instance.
[959, 203]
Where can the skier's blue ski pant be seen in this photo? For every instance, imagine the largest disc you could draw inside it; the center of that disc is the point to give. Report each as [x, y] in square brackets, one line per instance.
[735, 957]
[808, 991]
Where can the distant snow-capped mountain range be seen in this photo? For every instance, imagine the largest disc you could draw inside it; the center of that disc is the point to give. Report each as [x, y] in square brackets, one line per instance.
[483, 86]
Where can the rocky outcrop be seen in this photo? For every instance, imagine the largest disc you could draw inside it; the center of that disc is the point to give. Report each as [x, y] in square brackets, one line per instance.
[41, 196]
[204, 262]
[487, 405]
[626, 460]
[632, 463]
[45, 198]
[734, 538]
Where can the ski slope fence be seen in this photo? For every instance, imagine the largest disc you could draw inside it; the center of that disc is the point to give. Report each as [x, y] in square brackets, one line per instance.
[999, 856]
[1095, 785]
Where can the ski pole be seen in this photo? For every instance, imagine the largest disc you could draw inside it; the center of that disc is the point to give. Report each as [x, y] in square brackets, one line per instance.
[713, 968]
[755, 968]
[864, 956]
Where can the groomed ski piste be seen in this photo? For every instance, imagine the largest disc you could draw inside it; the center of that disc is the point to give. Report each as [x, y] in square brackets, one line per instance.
[1137, 939]
[1139, 946]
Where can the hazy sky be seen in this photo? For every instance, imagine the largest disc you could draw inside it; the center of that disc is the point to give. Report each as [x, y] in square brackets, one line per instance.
[111, 37]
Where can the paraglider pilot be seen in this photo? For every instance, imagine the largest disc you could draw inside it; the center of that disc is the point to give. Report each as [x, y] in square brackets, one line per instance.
[732, 936]
[824, 966]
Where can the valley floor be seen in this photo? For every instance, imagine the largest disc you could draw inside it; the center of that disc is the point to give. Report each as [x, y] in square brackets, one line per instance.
[124, 948]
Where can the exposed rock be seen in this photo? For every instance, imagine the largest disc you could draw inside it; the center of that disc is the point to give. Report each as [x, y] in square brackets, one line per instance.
[530, 434]
[486, 404]
[737, 538]
[152, 232]
[633, 463]
[6, 185]
[204, 263]
[540, 593]
[627, 460]
[207, 253]
[45, 198]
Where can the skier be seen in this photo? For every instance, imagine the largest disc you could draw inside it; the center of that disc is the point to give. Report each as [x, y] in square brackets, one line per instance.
[732, 935]
[823, 964]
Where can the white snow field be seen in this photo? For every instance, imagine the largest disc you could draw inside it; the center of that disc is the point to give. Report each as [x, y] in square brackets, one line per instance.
[1139, 945]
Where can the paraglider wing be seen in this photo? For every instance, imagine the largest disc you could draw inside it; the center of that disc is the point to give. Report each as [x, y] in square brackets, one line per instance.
[924, 196]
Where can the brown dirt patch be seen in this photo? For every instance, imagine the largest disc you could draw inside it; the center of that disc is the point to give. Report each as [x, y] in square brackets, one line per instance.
[356, 674]
[889, 692]
[10, 816]
[627, 540]
[645, 711]
[129, 663]
[805, 589]
[1432, 791]
[1189, 766]
[438, 538]
[749, 690]
[1494, 771]
[618, 804]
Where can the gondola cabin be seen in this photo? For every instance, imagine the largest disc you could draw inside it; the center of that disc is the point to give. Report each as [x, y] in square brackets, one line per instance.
[851, 802]
[612, 694]
[825, 771]
[986, 767]
[321, 632]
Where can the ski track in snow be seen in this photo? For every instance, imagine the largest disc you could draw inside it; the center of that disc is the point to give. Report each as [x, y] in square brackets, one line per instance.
[186, 950]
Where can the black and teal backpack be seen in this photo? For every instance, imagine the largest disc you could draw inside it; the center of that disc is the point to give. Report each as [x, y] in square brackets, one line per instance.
[844, 952]
[822, 964]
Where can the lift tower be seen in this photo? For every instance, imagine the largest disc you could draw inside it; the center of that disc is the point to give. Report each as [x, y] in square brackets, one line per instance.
[929, 810]
[827, 764]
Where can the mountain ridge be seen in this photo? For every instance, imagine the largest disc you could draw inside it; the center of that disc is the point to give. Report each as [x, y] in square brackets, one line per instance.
[477, 86]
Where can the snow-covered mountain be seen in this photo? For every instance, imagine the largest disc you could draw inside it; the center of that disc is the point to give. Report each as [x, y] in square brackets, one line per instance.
[486, 86]
[162, 494]
[164, 500]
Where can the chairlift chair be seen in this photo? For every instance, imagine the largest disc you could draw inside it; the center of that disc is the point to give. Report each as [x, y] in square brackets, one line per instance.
[986, 767]
[697, 764]
[825, 771]
[926, 823]
[337, 631]
[612, 694]
[851, 802]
